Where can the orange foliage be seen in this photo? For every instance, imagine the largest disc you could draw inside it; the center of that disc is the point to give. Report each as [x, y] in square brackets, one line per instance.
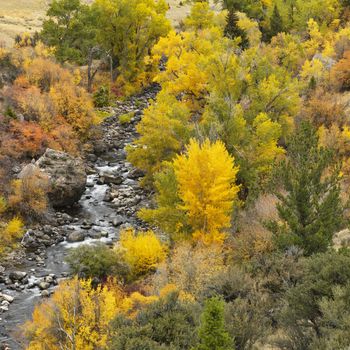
[340, 74]
[325, 108]
[29, 194]
[25, 139]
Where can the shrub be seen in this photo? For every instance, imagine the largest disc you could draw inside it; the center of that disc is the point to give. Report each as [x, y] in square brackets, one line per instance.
[10, 233]
[126, 118]
[29, 194]
[95, 261]
[102, 97]
[142, 251]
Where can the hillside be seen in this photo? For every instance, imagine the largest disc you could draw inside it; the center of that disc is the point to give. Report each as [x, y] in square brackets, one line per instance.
[175, 177]
[18, 16]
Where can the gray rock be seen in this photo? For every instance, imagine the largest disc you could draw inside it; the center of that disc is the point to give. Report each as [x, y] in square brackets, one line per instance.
[75, 236]
[44, 285]
[45, 293]
[110, 177]
[17, 275]
[67, 177]
[6, 297]
[118, 220]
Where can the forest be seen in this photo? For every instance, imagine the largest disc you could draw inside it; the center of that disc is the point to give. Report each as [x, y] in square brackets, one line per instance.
[176, 184]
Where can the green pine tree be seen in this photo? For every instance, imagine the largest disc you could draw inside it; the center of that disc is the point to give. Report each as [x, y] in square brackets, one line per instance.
[232, 30]
[276, 22]
[310, 208]
[212, 333]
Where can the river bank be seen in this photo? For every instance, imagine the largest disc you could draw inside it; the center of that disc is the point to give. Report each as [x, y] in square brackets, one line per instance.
[109, 203]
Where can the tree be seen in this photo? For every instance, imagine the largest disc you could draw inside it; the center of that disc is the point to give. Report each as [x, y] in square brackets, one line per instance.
[206, 192]
[211, 332]
[167, 324]
[232, 30]
[164, 130]
[310, 211]
[76, 317]
[305, 317]
[276, 22]
[29, 193]
[71, 29]
[90, 261]
[127, 30]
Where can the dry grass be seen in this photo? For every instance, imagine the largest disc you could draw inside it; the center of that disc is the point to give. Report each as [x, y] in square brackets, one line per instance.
[18, 16]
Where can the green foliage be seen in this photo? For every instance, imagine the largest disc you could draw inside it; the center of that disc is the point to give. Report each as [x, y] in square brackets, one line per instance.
[310, 209]
[276, 22]
[89, 261]
[70, 28]
[324, 280]
[167, 324]
[102, 97]
[127, 29]
[125, 119]
[211, 332]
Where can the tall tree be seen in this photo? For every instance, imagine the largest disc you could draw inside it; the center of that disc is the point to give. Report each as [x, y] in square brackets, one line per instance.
[212, 333]
[71, 29]
[276, 22]
[310, 208]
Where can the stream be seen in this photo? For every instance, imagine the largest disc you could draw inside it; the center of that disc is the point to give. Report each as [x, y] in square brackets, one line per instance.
[99, 215]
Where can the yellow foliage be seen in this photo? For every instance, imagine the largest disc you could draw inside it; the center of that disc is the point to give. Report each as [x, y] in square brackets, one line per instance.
[135, 302]
[206, 185]
[164, 130]
[142, 251]
[10, 233]
[188, 269]
[76, 317]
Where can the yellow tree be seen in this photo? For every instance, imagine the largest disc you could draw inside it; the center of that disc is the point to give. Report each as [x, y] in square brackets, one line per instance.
[75, 318]
[165, 128]
[196, 193]
[206, 183]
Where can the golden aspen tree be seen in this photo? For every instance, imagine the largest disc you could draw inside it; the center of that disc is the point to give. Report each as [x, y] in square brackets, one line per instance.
[76, 317]
[206, 177]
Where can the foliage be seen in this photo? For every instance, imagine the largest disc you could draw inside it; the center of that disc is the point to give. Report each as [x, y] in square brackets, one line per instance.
[322, 276]
[125, 119]
[206, 177]
[164, 131]
[310, 211]
[29, 193]
[10, 232]
[211, 332]
[102, 97]
[205, 192]
[127, 30]
[165, 324]
[142, 251]
[76, 316]
[95, 261]
[191, 269]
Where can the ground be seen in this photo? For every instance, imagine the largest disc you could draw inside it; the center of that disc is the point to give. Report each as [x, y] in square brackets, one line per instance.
[18, 16]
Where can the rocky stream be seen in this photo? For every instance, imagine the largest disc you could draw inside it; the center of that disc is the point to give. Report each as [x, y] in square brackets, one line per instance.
[111, 198]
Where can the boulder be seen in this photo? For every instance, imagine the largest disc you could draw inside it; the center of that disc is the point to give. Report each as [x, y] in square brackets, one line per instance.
[44, 285]
[6, 297]
[110, 177]
[67, 177]
[75, 236]
[17, 275]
